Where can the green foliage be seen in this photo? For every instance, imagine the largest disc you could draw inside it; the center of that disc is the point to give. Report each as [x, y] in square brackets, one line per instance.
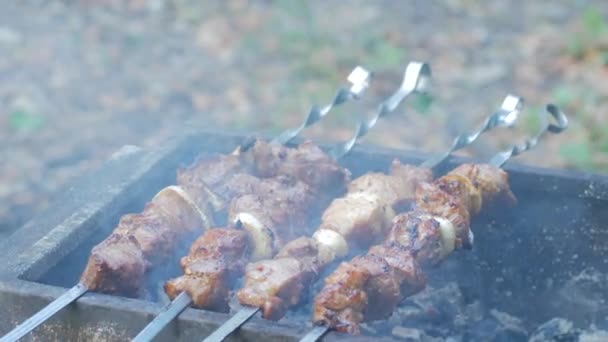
[579, 154]
[594, 23]
[21, 120]
[594, 26]
[422, 103]
[384, 55]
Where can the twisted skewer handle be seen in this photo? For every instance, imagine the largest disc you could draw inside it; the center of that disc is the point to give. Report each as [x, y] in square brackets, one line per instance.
[560, 124]
[359, 79]
[503, 117]
[415, 79]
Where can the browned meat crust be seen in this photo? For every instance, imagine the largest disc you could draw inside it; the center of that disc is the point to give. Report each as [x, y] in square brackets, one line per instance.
[118, 264]
[369, 287]
[215, 260]
[360, 217]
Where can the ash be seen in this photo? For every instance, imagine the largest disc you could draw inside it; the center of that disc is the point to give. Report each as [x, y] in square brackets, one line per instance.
[445, 313]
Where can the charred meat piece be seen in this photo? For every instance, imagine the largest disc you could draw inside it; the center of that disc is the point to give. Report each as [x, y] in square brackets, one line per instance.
[307, 163]
[118, 264]
[204, 179]
[342, 301]
[274, 285]
[360, 218]
[430, 198]
[368, 287]
[275, 215]
[305, 249]
[397, 188]
[215, 260]
[428, 238]
[393, 190]
[410, 173]
[491, 181]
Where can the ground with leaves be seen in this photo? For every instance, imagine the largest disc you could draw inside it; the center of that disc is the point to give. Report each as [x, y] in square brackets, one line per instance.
[78, 79]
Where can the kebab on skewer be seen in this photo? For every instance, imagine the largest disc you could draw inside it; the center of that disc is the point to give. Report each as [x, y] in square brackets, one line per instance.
[370, 287]
[140, 241]
[260, 223]
[202, 288]
[274, 285]
[219, 255]
[198, 198]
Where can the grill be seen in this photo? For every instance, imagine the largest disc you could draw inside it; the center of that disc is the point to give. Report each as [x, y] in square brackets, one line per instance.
[522, 257]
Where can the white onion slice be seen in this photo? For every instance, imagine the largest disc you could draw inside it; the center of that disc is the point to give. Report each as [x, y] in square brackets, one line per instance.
[259, 234]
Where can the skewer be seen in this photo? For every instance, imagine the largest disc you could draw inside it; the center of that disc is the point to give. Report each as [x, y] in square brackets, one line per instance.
[499, 159]
[359, 79]
[505, 116]
[416, 75]
[416, 78]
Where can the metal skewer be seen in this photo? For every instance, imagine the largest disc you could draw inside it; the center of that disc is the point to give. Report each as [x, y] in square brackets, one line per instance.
[499, 159]
[506, 116]
[416, 78]
[359, 78]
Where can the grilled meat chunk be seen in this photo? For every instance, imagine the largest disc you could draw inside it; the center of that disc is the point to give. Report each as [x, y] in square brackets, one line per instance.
[360, 218]
[397, 188]
[410, 173]
[431, 199]
[204, 180]
[307, 163]
[342, 300]
[215, 260]
[491, 181]
[393, 190]
[368, 287]
[423, 235]
[118, 264]
[274, 285]
[275, 215]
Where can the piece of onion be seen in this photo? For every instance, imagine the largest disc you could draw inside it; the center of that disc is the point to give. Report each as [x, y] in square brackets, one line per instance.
[260, 236]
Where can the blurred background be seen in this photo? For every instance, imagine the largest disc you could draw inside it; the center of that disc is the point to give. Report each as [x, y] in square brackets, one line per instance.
[80, 78]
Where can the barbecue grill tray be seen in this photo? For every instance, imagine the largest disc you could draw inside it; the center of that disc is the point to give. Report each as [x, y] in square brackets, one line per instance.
[555, 231]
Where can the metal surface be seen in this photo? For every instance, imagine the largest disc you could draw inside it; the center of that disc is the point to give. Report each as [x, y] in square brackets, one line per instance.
[242, 316]
[505, 116]
[359, 78]
[42, 315]
[560, 214]
[177, 306]
[561, 123]
[315, 334]
[416, 78]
